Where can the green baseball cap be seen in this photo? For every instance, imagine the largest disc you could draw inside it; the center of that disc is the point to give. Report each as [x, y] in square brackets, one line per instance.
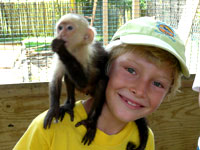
[150, 32]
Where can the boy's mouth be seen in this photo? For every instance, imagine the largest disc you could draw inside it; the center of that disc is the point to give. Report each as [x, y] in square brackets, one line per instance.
[131, 104]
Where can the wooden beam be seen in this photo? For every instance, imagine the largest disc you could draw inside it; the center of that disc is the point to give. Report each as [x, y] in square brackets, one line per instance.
[187, 17]
[94, 12]
[105, 22]
[136, 9]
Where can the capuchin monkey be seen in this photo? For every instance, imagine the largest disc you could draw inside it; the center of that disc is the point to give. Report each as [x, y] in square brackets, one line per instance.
[81, 61]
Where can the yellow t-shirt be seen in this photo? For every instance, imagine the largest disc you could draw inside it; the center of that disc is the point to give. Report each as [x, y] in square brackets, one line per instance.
[65, 136]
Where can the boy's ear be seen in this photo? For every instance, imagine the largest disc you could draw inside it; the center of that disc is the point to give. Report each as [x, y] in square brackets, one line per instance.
[89, 36]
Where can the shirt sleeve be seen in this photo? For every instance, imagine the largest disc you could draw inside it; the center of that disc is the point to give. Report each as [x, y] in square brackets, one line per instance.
[35, 136]
[196, 83]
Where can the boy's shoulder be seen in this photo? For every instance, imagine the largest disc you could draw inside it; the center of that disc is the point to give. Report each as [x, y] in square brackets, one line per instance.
[79, 114]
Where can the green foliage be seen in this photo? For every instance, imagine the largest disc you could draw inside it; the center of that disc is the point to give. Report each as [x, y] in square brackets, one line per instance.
[37, 19]
[143, 4]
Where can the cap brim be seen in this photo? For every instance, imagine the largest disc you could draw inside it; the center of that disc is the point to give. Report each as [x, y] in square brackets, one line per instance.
[156, 42]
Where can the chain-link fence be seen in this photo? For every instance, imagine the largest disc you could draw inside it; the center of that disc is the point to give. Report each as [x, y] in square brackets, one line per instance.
[27, 28]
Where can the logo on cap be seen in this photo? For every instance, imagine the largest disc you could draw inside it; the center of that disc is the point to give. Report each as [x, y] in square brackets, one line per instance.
[167, 30]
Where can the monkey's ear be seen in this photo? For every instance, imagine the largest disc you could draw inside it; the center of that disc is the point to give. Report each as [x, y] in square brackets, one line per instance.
[89, 36]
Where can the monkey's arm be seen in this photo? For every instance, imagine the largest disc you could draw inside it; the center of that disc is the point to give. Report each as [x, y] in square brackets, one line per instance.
[74, 77]
[75, 70]
[99, 60]
[70, 102]
[91, 122]
[54, 90]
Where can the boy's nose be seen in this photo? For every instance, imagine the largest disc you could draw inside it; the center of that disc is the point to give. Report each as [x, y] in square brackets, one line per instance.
[139, 88]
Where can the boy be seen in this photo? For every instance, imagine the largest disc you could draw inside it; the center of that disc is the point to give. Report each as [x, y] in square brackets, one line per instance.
[146, 65]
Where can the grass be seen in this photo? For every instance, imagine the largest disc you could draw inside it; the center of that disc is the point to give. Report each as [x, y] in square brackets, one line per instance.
[40, 43]
[14, 39]
[39, 46]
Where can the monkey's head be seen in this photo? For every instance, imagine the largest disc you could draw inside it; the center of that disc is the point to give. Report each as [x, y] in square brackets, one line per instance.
[75, 31]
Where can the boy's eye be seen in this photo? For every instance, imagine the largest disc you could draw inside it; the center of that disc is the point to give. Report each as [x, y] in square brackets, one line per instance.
[158, 84]
[131, 70]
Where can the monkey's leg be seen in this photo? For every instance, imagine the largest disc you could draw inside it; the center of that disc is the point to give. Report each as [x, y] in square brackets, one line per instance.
[91, 122]
[70, 102]
[55, 89]
[143, 133]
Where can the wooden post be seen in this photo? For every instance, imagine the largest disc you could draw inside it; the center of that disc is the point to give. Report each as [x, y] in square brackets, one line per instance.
[94, 12]
[187, 17]
[105, 22]
[136, 9]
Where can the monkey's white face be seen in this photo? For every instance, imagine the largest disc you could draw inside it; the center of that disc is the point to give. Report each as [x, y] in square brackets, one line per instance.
[65, 30]
[74, 31]
[68, 31]
[136, 87]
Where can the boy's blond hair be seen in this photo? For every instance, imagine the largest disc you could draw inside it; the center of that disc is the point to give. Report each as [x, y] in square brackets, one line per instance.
[155, 55]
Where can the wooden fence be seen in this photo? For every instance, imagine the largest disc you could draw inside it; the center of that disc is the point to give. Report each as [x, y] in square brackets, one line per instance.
[176, 124]
[27, 19]
[38, 18]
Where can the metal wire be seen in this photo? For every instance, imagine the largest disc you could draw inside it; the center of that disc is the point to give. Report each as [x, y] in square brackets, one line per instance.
[27, 28]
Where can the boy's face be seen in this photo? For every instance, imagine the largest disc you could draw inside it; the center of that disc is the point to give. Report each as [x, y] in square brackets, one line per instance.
[136, 87]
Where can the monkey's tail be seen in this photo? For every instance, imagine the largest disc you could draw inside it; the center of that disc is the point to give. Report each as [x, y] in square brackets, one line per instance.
[143, 133]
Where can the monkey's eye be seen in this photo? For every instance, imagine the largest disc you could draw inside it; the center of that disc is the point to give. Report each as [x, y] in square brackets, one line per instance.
[60, 27]
[70, 27]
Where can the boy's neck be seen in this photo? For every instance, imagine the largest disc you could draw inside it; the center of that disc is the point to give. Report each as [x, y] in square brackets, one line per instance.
[106, 122]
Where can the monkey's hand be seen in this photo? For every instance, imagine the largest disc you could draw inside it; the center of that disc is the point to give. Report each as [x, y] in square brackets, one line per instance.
[66, 108]
[49, 117]
[91, 130]
[131, 146]
[57, 44]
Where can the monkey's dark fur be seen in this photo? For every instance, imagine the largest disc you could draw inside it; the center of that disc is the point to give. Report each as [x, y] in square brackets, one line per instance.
[76, 77]
[93, 83]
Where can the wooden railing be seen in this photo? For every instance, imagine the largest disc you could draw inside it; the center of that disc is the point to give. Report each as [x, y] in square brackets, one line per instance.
[176, 124]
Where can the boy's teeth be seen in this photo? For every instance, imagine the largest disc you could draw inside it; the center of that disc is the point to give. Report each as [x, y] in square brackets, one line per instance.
[131, 103]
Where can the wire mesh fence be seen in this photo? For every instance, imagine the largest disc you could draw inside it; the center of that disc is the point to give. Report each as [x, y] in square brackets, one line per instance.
[27, 29]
